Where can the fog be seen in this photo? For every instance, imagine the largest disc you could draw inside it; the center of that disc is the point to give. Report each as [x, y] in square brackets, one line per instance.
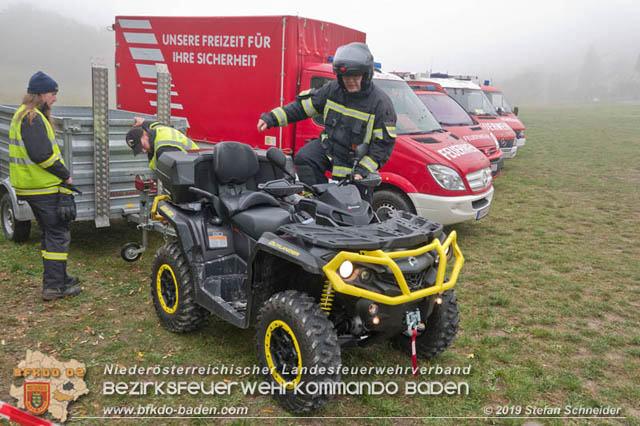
[537, 52]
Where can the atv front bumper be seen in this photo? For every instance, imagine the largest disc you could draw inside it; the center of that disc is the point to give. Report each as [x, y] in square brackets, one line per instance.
[380, 257]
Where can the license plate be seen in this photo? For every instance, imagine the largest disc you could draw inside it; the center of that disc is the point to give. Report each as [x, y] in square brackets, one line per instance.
[482, 212]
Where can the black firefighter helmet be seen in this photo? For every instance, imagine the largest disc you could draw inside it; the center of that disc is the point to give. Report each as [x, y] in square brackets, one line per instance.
[353, 58]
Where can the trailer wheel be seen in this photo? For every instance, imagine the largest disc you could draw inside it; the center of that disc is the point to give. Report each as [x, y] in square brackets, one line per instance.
[297, 343]
[441, 329]
[15, 230]
[130, 253]
[386, 201]
[172, 291]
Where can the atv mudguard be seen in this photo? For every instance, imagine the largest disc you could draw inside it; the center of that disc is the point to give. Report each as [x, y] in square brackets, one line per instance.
[273, 244]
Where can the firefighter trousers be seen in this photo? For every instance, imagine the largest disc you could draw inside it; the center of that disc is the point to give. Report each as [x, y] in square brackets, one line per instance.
[55, 238]
[312, 162]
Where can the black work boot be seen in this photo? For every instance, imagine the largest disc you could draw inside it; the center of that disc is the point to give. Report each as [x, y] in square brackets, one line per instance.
[49, 294]
[72, 281]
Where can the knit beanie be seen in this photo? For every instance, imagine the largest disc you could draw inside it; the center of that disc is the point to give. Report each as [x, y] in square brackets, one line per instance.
[41, 83]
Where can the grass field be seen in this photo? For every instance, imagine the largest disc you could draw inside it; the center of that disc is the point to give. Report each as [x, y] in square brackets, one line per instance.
[549, 298]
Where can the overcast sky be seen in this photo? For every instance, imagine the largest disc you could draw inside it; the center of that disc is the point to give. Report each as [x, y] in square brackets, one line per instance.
[458, 36]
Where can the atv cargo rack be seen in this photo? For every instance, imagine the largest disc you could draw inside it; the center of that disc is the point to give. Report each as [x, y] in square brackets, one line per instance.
[400, 231]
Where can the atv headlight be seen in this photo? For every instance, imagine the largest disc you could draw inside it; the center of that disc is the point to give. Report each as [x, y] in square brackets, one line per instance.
[346, 269]
[446, 177]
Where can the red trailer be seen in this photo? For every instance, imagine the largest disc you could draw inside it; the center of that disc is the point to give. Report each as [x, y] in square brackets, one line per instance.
[508, 114]
[226, 71]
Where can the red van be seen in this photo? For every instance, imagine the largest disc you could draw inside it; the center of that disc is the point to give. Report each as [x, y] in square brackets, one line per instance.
[508, 114]
[226, 71]
[475, 102]
[455, 119]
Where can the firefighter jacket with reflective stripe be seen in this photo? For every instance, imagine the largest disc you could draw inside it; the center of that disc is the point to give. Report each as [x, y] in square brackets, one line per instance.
[165, 138]
[350, 119]
[36, 166]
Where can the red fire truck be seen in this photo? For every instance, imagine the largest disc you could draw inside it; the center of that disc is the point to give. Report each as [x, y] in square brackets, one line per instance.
[226, 71]
[503, 107]
[453, 117]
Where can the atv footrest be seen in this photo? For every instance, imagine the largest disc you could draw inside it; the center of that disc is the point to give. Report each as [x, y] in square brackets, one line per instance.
[223, 292]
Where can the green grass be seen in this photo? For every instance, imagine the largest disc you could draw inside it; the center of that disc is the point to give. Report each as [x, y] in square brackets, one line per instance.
[549, 295]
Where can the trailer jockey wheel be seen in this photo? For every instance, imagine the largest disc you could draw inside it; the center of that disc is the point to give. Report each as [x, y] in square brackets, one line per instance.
[131, 252]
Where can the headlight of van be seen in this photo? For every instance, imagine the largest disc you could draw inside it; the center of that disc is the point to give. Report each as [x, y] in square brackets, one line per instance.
[495, 140]
[446, 177]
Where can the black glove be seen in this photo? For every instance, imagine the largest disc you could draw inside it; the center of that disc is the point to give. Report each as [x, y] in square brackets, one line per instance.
[66, 207]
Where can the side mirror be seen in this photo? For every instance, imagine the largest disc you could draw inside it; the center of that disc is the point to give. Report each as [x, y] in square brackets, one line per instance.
[277, 158]
[515, 110]
[500, 110]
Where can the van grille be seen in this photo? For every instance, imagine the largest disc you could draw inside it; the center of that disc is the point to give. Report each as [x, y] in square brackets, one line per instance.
[480, 179]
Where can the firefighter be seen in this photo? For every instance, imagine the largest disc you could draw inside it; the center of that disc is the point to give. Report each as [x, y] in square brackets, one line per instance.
[154, 139]
[355, 111]
[39, 176]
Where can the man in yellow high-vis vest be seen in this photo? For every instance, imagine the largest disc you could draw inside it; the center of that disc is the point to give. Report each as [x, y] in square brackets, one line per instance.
[38, 175]
[154, 139]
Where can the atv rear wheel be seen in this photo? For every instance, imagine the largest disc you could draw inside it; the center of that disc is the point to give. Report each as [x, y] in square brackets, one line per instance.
[441, 329]
[295, 338]
[172, 291]
[386, 201]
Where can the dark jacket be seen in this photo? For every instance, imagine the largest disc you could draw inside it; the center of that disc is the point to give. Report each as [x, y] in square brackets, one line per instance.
[349, 118]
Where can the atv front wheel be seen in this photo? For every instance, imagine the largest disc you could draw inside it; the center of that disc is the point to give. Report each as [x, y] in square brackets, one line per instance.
[172, 291]
[441, 329]
[299, 346]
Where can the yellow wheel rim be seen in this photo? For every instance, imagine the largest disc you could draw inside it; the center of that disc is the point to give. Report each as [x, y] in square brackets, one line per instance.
[269, 345]
[164, 278]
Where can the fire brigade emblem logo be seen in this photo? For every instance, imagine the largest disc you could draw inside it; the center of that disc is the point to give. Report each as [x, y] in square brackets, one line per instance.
[36, 397]
[47, 385]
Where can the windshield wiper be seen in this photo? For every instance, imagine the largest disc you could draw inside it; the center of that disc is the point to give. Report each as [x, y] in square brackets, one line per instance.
[454, 124]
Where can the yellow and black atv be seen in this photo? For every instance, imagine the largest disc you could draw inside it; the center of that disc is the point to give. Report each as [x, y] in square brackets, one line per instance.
[312, 273]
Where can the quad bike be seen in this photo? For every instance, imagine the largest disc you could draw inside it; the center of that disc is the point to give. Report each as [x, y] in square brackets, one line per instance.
[313, 273]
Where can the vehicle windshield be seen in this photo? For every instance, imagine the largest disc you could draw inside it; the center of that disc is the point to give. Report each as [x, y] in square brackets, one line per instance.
[447, 111]
[473, 100]
[413, 116]
[499, 101]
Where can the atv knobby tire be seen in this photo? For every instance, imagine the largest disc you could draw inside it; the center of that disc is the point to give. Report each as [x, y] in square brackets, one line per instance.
[172, 291]
[441, 329]
[292, 332]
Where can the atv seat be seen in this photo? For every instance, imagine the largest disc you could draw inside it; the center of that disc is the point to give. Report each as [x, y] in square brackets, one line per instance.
[254, 212]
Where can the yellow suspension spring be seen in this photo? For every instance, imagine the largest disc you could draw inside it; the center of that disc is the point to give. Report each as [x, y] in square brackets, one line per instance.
[326, 299]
